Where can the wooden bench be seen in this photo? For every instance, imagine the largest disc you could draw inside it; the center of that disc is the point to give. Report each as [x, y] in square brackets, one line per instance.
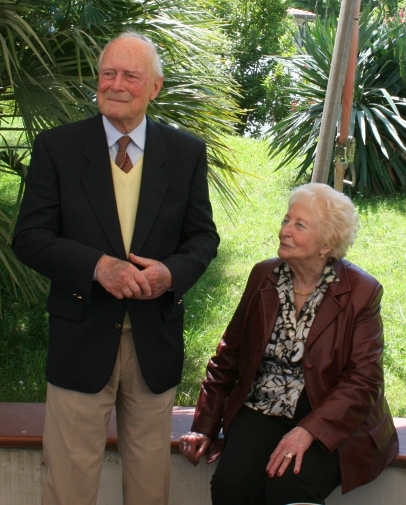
[21, 426]
[21, 472]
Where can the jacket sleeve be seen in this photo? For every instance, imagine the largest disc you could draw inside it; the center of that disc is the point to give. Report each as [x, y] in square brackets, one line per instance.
[230, 364]
[221, 376]
[39, 240]
[198, 239]
[340, 408]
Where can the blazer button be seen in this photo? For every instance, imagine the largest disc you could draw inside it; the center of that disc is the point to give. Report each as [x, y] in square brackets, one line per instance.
[180, 302]
[117, 326]
[309, 366]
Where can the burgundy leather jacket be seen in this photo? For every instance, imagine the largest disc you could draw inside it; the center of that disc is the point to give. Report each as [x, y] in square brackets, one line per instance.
[342, 362]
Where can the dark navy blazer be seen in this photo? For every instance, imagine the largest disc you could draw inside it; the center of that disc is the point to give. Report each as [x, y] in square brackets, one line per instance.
[69, 219]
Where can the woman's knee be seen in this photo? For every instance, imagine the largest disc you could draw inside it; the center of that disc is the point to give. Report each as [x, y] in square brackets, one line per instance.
[227, 488]
[293, 488]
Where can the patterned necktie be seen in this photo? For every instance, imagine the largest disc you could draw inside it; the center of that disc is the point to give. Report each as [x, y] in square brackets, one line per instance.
[122, 158]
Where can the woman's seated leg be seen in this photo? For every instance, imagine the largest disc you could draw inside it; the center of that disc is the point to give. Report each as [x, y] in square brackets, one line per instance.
[240, 473]
[319, 476]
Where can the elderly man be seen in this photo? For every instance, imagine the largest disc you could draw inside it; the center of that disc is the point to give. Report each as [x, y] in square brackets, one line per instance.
[116, 213]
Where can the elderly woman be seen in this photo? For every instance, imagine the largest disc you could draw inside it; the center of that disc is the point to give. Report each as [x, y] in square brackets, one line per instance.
[297, 382]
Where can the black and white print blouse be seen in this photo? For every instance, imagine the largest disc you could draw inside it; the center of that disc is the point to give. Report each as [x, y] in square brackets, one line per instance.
[279, 379]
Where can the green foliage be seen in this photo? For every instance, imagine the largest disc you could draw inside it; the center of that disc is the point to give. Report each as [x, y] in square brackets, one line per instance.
[331, 8]
[12, 273]
[277, 104]
[379, 109]
[48, 64]
[253, 29]
[23, 349]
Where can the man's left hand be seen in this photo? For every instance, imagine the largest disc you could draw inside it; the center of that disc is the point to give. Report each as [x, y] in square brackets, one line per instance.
[157, 274]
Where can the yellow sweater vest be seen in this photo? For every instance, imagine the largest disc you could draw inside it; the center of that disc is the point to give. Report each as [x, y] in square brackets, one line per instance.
[127, 191]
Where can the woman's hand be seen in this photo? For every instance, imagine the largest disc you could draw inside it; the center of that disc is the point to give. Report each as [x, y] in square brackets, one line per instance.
[293, 445]
[193, 445]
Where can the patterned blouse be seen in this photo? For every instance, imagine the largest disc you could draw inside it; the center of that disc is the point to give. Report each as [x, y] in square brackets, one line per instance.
[280, 380]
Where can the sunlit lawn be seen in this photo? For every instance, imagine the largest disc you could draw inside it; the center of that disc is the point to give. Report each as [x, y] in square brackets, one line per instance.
[249, 237]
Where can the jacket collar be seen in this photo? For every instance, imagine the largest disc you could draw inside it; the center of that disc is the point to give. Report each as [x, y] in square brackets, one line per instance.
[332, 304]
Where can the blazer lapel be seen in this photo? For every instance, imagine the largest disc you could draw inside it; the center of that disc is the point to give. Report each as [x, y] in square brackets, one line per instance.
[97, 181]
[270, 307]
[154, 185]
[270, 310]
[330, 306]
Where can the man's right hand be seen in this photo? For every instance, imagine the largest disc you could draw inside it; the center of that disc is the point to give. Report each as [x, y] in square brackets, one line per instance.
[121, 278]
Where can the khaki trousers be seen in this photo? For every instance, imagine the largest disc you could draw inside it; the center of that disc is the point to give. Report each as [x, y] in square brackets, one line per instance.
[75, 435]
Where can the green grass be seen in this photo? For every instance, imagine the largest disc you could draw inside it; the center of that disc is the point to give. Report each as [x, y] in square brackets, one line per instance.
[23, 344]
[381, 250]
[251, 236]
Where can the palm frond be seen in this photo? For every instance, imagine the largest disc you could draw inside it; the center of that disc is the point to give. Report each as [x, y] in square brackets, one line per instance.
[379, 108]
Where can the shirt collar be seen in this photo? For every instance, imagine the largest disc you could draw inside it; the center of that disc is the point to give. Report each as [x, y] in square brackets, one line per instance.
[137, 135]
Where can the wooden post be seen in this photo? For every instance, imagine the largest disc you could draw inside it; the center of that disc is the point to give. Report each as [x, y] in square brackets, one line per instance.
[334, 92]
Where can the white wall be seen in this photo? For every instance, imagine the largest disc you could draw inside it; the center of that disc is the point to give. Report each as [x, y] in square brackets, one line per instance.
[21, 474]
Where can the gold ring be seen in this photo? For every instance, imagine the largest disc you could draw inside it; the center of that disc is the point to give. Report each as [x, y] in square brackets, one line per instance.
[289, 455]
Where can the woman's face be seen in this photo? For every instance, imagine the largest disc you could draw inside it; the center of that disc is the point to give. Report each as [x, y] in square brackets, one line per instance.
[299, 236]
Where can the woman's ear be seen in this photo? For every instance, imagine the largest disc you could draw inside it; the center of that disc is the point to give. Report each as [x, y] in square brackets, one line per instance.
[326, 249]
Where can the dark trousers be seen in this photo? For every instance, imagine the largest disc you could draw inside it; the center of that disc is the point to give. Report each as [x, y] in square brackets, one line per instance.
[240, 477]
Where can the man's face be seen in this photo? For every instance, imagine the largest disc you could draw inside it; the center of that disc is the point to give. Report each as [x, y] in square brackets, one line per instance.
[127, 82]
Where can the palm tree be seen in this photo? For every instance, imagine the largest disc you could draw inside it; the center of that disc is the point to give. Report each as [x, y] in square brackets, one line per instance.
[379, 109]
[48, 69]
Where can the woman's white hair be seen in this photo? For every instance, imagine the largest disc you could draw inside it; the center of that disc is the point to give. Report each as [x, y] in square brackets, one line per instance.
[156, 61]
[337, 220]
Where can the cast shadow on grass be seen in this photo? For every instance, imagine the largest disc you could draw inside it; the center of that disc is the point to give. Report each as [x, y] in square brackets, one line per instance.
[375, 204]
[23, 348]
[205, 321]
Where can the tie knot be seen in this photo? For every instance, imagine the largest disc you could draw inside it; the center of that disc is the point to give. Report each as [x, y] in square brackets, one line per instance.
[122, 159]
[123, 142]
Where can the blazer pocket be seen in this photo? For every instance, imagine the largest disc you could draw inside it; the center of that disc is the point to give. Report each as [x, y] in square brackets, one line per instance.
[170, 309]
[173, 313]
[382, 432]
[68, 308]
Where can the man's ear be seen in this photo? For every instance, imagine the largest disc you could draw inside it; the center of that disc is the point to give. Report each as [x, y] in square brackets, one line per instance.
[159, 81]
